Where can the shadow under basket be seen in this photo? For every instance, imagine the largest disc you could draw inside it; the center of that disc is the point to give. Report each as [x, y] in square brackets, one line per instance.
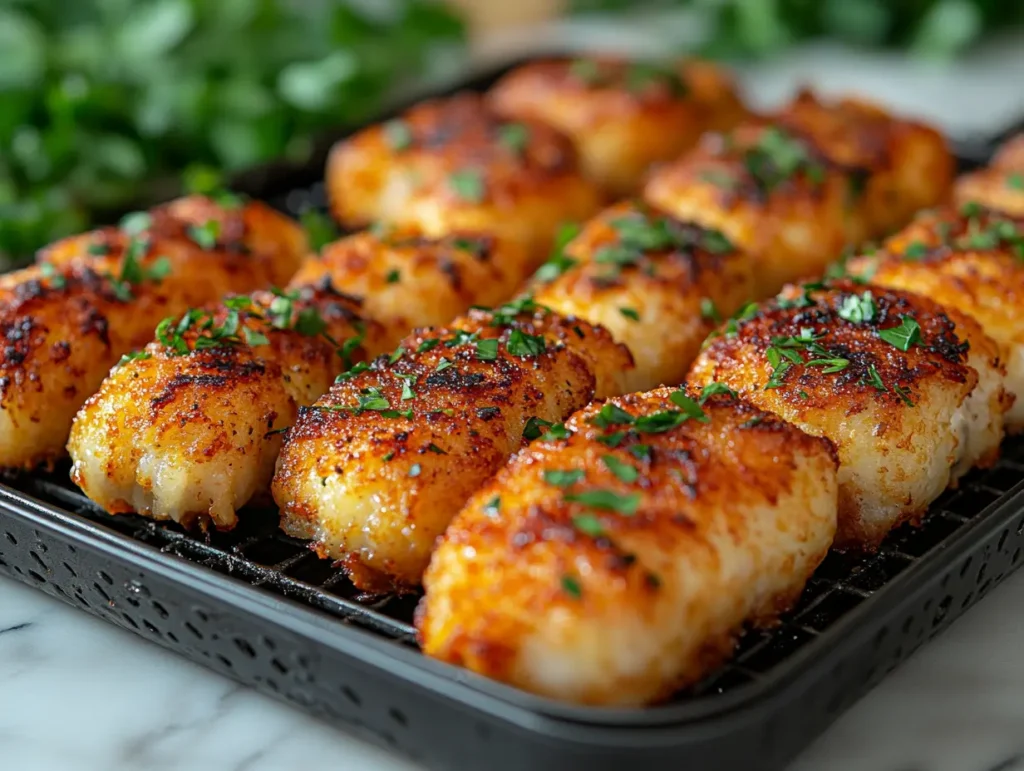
[259, 607]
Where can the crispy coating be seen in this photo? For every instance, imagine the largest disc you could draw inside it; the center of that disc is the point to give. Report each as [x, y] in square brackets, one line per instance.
[905, 165]
[971, 259]
[1001, 185]
[189, 431]
[407, 281]
[453, 165]
[376, 469]
[623, 116]
[793, 192]
[657, 284]
[99, 295]
[578, 600]
[906, 423]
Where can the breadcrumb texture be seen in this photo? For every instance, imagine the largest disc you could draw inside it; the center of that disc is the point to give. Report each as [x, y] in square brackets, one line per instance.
[375, 486]
[596, 606]
[453, 165]
[905, 423]
[67, 321]
[623, 116]
[657, 284]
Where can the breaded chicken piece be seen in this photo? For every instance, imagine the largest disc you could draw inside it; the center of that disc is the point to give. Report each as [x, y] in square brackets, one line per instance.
[99, 295]
[1001, 185]
[453, 165]
[971, 259]
[189, 429]
[657, 284]
[904, 165]
[623, 116]
[406, 280]
[911, 393]
[376, 469]
[794, 192]
[618, 562]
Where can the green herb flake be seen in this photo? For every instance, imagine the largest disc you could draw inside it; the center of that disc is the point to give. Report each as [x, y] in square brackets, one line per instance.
[393, 276]
[514, 137]
[134, 356]
[608, 500]
[558, 262]
[588, 524]
[875, 379]
[690, 408]
[487, 350]
[49, 272]
[630, 313]
[136, 223]
[559, 478]
[351, 373]
[436, 450]
[397, 354]
[709, 311]
[532, 429]
[612, 415]
[467, 184]
[623, 471]
[904, 394]
[858, 309]
[428, 344]
[903, 336]
[916, 250]
[254, 338]
[1015, 181]
[640, 451]
[523, 345]
[205, 236]
[713, 388]
[555, 432]
[493, 507]
[572, 587]
[397, 134]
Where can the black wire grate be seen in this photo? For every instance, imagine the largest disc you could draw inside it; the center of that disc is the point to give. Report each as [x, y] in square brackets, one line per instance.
[260, 554]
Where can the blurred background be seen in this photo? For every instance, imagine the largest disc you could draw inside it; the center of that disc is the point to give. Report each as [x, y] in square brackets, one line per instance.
[108, 104]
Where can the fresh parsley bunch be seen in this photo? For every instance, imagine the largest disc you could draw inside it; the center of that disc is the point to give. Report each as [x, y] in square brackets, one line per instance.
[105, 102]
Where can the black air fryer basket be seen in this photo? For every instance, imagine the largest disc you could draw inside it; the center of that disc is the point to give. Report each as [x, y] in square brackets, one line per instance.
[259, 607]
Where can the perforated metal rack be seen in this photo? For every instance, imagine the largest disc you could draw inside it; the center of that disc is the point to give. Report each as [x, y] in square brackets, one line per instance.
[258, 606]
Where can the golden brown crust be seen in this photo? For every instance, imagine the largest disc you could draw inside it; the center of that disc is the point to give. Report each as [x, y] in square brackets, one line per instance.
[831, 359]
[99, 295]
[188, 429]
[407, 280]
[653, 537]
[623, 116]
[453, 165]
[971, 259]
[374, 471]
[659, 285]
[793, 190]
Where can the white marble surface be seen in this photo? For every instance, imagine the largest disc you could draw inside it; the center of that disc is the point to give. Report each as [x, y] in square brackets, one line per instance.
[78, 695]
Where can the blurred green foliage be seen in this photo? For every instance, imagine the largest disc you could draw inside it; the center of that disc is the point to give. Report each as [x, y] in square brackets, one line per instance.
[101, 99]
[757, 28]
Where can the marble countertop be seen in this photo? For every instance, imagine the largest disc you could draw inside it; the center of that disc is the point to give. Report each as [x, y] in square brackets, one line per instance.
[80, 695]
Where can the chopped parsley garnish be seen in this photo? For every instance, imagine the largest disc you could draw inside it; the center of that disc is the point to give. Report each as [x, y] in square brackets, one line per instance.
[875, 379]
[493, 506]
[623, 471]
[588, 524]
[640, 451]
[393, 276]
[858, 309]
[532, 429]
[396, 356]
[903, 336]
[630, 313]
[642, 75]
[514, 137]
[560, 478]
[777, 157]
[720, 179]
[714, 388]
[428, 344]
[443, 364]
[205, 235]
[916, 250]
[57, 281]
[572, 587]
[407, 392]
[487, 350]
[436, 450]
[523, 345]
[1015, 181]
[134, 356]
[586, 71]
[98, 249]
[709, 311]
[398, 134]
[614, 439]
[136, 223]
[558, 262]
[609, 500]
[904, 394]
[254, 338]
[716, 242]
[467, 184]
[690, 408]
[555, 432]
[351, 373]
[351, 345]
[611, 415]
